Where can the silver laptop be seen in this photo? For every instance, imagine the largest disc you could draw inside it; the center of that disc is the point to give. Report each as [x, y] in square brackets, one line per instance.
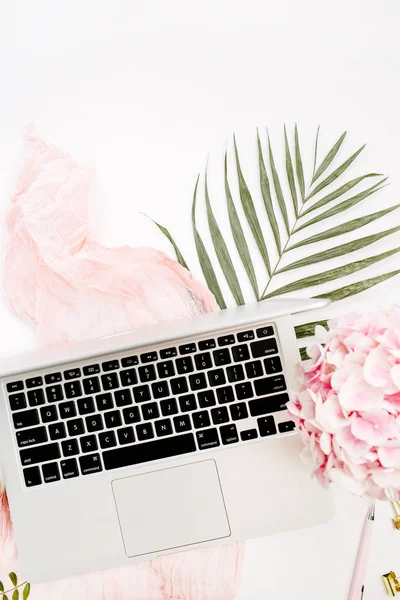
[170, 438]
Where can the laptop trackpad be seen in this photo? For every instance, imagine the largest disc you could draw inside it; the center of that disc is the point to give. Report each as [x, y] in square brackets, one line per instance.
[171, 508]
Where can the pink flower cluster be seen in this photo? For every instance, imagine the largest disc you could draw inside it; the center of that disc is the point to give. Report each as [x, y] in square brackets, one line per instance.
[348, 405]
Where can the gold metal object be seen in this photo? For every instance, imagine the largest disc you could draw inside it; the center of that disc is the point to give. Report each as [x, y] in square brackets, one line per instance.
[391, 582]
[396, 508]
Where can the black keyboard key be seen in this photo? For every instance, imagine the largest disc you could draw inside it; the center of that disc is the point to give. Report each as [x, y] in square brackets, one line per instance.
[229, 434]
[220, 415]
[54, 393]
[148, 357]
[197, 382]
[187, 348]
[155, 450]
[128, 377]
[286, 426]
[113, 419]
[36, 397]
[265, 331]
[67, 410]
[166, 369]
[216, 377]
[129, 361]
[131, 415]
[53, 378]
[187, 402]
[264, 347]
[272, 365]
[235, 373]
[69, 468]
[17, 401]
[238, 411]
[203, 361]
[168, 353]
[179, 385]
[39, 454]
[49, 414]
[107, 439]
[206, 399]
[126, 435]
[248, 434]
[270, 404]
[86, 406]
[32, 476]
[168, 407]
[72, 374]
[163, 427]
[91, 385]
[150, 411]
[147, 373]
[110, 365]
[266, 426]
[207, 344]
[104, 402]
[88, 443]
[184, 365]
[90, 464]
[57, 431]
[70, 448]
[254, 369]
[240, 353]
[34, 382]
[94, 423]
[225, 394]
[207, 438]
[91, 370]
[51, 472]
[26, 418]
[144, 432]
[222, 357]
[182, 423]
[30, 437]
[109, 381]
[270, 385]
[160, 389]
[123, 397]
[244, 390]
[201, 419]
[226, 340]
[245, 336]
[75, 427]
[73, 389]
[141, 393]
[15, 386]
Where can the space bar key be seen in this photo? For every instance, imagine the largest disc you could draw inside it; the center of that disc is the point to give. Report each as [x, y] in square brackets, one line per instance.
[148, 451]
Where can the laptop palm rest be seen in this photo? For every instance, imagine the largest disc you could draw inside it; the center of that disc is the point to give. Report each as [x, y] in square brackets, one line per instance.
[171, 508]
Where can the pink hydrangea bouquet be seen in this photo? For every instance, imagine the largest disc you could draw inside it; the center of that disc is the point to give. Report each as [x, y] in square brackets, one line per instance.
[348, 405]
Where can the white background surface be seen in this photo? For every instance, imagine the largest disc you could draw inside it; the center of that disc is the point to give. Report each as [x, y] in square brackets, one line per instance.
[147, 90]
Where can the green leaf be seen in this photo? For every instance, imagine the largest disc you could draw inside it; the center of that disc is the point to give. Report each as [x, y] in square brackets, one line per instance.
[339, 171]
[15, 595]
[331, 274]
[346, 204]
[1, 586]
[13, 578]
[339, 250]
[222, 252]
[250, 213]
[167, 234]
[357, 288]
[26, 591]
[344, 228]
[278, 188]
[204, 259]
[339, 192]
[308, 329]
[303, 354]
[239, 237]
[290, 175]
[266, 194]
[328, 158]
[299, 164]
[4, 597]
[315, 154]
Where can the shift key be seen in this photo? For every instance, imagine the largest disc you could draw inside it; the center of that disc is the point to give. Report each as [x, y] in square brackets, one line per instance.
[39, 454]
[269, 404]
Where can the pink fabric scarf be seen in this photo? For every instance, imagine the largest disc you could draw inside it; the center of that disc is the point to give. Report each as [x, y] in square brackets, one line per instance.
[70, 287]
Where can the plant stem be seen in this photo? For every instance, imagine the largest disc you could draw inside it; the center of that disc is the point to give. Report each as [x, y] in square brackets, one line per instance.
[13, 589]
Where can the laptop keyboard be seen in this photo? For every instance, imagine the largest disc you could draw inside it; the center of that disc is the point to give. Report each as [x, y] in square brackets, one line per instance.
[153, 405]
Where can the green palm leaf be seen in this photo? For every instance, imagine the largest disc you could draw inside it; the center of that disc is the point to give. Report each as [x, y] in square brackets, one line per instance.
[266, 194]
[290, 176]
[167, 234]
[315, 155]
[278, 189]
[357, 288]
[299, 164]
[328, 158]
